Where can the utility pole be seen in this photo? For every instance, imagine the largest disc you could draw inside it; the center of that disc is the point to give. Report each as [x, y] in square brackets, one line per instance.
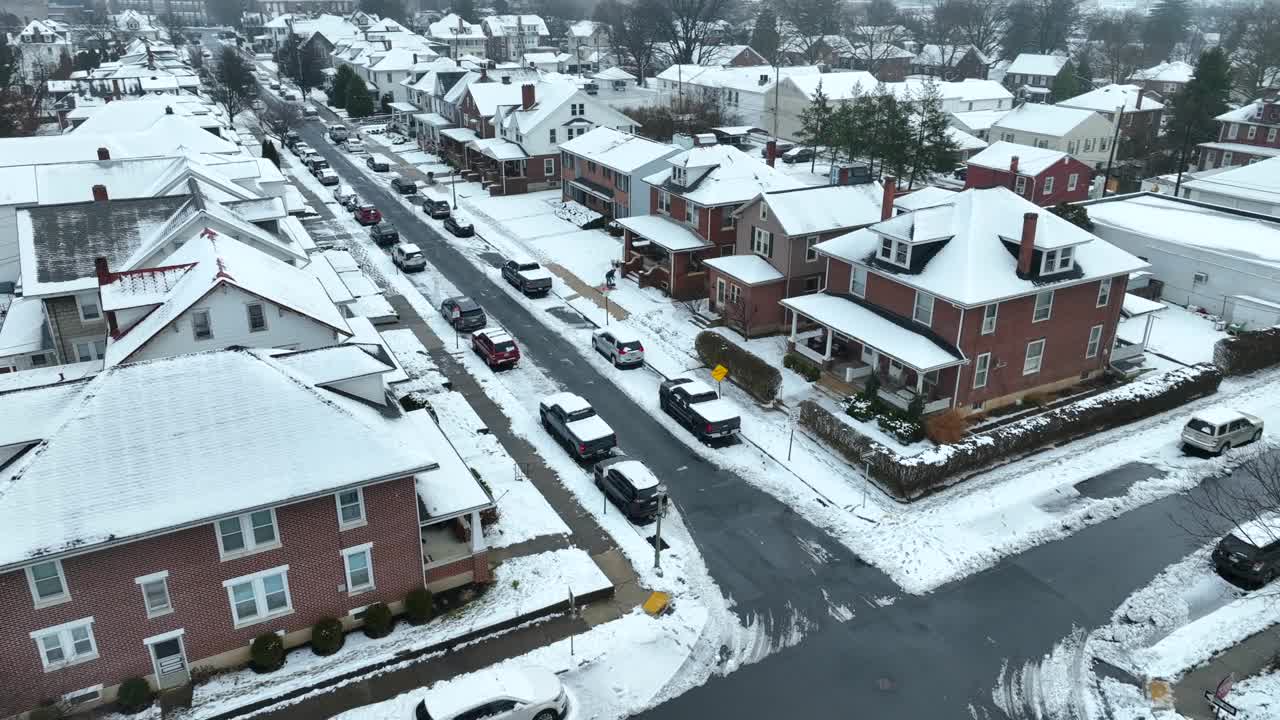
[1182, 157]
[1115, 139]
[657, 531]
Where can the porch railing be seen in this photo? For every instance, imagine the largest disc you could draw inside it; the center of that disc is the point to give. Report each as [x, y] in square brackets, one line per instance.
[1125, 350]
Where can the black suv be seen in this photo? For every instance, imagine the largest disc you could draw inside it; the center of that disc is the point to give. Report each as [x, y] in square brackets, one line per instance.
[463, 313]
[377, 164]
[458, 227]
[629, 485]
[1254, 561]
[437, 209]
[292, 138]
[384, 235]
[404, 186]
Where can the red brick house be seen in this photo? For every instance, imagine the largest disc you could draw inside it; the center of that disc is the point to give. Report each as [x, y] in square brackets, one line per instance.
[162, 514]
[1140, 113]
[1246, 135]
[605, 170]
[970, 305]
[951, 62]
[1044, 177]
[775, 256]
[691, 216]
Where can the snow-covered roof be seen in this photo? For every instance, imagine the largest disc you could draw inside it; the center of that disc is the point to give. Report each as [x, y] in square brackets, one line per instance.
[546, 58]
[613, 73]
[584, 28]
[923, 198]
[1032, 161]
[947, 55]
[489, 95]
[1109, 97]
[22, 326]
[329, 365]
[751, 78]
[733, 176]
[1259, 181]
[615, 149]
[498, 149]
[964, 141]
[451, 27]
[974, 266]
[1176, 72]
[1243, 148]
[869, 327]
[979, 120]
[499, 25]
[1247, 113]
[213, 261]
[1043, 119]
[49, 375]
[811, 210]
[664, 232]
[462, 135]
[242, 431]
[1135, 305]
[1032, 64]
[1185, 223]
[748, 269]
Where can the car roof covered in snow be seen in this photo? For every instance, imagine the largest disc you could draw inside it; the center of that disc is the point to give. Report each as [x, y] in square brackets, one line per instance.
[409, 248]
[1217, 415]
[641, 477]
[529, 685]
[621, 333]
[495, 334]
[567, 401]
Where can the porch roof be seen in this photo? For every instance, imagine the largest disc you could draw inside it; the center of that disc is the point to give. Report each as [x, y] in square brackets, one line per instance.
[849, 318]
[433, 119]
[1135, 305]
[498, 149]
[748, 269]
[450, 489]
[462, 135]
[664, 232]
[594, 188]
[403, 107]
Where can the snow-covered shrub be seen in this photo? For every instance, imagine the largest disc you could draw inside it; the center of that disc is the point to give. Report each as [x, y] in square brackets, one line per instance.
[1247, 352]
[326, 636]
[419, 606]
[850, 443]
[801, 366]
[266, 653]
[746, 369]
[134, 695]
[378, 620]
[903, 428]
[860, 408]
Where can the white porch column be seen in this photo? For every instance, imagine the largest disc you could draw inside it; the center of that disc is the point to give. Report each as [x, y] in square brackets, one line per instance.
[919, 382]
[477, 532]
[1146, 332]
[794, 319]
[831, 334]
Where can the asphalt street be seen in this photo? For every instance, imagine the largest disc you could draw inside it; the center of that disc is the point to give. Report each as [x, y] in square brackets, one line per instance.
[926, 657]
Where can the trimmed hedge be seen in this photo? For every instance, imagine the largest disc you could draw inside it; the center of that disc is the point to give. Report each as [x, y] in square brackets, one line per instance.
[327, 636]
[746, 369]
[266, 653]
[378, 621]
[910, 477]
[801, 366]
[1247, 352]
[134, 695]
[419, 606]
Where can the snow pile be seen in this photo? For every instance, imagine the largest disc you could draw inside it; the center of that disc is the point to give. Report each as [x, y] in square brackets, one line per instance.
[576, 213]
[1052, 687]
[425, 379]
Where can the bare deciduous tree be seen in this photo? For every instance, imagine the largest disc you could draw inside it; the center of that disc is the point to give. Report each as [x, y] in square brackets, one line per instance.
[1245, 503]
[690, 24]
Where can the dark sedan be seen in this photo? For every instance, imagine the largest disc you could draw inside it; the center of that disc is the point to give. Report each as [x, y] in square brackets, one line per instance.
[458, 227]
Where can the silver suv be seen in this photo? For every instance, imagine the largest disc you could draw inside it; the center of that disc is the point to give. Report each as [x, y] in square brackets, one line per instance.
[1218, 429]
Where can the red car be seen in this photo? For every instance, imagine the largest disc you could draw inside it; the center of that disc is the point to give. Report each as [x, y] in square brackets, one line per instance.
[496, 347]
[368, 215]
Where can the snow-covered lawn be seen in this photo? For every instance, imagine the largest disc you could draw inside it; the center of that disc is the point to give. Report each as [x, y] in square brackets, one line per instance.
[1184, 336]
[1258, 697]
[521, 585]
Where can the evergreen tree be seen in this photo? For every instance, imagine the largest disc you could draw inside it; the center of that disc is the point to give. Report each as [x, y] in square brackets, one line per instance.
[359, 101]
[1165, 27]
[269, 152]
[341, 82]
[1077, 215]
[1084, 68]
[850, 126]
[501, 7]
[465, 9]
[65, 67]
[393, 9]
[764, 37]
[815, 123]
[933, 149]
[891, 132]
[1065, 85]
[1200, 101]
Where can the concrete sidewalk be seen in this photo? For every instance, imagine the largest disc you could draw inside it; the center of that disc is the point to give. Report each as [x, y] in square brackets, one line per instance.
[1246, 659]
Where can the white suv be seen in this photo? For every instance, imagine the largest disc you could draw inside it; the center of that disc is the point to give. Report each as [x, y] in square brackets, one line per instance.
[621, 346]
[1218, 429]
[508, 694]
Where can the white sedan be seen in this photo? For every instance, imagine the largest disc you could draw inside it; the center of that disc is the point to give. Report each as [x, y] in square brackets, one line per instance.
[508, 694]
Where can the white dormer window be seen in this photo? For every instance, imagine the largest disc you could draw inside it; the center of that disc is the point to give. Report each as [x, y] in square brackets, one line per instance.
[1056, 261]
[678, 175]
[895, 251]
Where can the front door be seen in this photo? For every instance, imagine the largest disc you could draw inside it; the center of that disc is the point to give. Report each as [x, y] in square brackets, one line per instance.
[170, 662]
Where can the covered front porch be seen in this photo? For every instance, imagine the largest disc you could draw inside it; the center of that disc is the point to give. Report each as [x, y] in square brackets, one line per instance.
[502, 164]
[451, 510]
[1128, 354]
[851, 344]
[429, 126]
[591, 195]
[453, 148]
[659, 252]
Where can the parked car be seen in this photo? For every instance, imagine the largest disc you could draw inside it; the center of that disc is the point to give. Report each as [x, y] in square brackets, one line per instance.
[316, 162]
[408, 257]
[782, 148]
[352, 203]
[798, 155]
[621, 346]
[458, 227]
[353, 145]
[437, 209]
[528, 277]
[404, 186]
[292, 138]
[1250, 554]
[629, 485]
[507, 694]
[574, 423]
[327, 176]
[274, 85]
[300, 148]
[696, 406]
[343, 194]
[496, 347]
[337, 133]
[961, 172]
[384, 234]
[376, 163]
[463, 313]
[1216, 430]
[310, 113]
[367, 214]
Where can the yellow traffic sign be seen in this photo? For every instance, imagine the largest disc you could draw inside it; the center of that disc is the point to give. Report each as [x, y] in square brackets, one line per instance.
[720, 373]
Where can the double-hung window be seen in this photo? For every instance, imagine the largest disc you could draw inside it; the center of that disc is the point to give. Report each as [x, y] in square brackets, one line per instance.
[1104, 292]
[88, 307]
[1034, 357]
[548, 167]
[257, 317]
[1072, 181]
[350, 508]
[981, 370]
[1233, 130]
[1048, 186]
[48, 583]
[690, 213]
[551, 135]
[201, 326]
[1253, 132]
[358, 562]
[260, 596]
[894, 251]
[664, 201]
[90, 349]
[1020, 185]
[67, 644]
[810, 252]
[761, 242]
[1095, 340]
[249, 533]
[923, 310]
[1055, 261]
[989, 315]
[858, 281]
[155, 593]
[1044, 306]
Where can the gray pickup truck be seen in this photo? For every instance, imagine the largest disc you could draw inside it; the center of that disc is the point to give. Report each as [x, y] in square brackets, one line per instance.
[698, 408]
[574, 423]
[528, 277]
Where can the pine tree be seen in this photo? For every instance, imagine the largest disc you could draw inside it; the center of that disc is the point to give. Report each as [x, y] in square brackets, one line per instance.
[465, 9]
[269, 152]
[764, 37]
[934, 149]
[1166, 26]
[341, 82]
[1084, 69]
[815, 123]
[1077, 215]
[1200, 101]
[1065, 85]
[359, 102]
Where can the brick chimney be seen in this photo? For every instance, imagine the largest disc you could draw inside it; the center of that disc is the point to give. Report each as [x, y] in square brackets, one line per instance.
[890, 193]
[771, 152]
[1013, 164]
[100, 193]
[526, 96]
[104, 154]
[104, 278]
[1027, 244]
